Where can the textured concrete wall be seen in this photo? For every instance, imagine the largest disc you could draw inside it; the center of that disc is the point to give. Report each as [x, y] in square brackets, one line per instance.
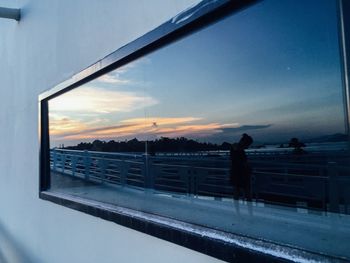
[54, 40]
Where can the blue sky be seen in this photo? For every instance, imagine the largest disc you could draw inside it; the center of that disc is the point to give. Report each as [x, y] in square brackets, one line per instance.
[271, 70]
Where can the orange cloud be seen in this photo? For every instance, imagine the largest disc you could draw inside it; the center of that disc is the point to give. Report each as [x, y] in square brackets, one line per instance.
[64, 125]
[158, 126]
[156, 121]
[200, 130]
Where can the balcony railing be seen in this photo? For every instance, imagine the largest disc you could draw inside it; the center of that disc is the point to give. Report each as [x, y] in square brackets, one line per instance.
[324, 186]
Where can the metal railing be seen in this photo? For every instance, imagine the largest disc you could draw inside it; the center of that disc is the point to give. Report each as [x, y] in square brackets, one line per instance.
[327, 185]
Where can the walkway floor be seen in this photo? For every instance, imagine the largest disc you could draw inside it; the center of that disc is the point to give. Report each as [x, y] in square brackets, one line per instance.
[328, 233]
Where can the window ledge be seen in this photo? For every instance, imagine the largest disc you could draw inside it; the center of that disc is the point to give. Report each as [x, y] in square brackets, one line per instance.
[219, 244]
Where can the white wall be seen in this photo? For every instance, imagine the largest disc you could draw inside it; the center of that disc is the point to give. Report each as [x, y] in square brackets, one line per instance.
[54, 40]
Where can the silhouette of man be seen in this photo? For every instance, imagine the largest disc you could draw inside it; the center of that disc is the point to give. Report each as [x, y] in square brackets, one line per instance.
[240, 172]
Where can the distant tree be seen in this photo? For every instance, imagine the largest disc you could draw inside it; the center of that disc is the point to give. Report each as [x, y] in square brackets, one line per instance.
[97, 145]
[225, 146]
[297, 145]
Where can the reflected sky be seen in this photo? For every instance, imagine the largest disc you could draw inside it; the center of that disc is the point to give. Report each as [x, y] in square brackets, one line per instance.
[271, 70]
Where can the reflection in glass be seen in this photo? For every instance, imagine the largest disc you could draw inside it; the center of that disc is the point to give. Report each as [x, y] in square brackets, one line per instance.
[243, 118]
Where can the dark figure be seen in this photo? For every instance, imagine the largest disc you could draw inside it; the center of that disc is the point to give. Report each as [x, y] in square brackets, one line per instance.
[240, 169]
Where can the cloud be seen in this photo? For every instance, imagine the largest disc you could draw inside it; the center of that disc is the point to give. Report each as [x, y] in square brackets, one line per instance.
[244, 128]
[161, 120]
[115, 76]
[194, 130]
[87, 100]
[150, 127]
[134, 64]
[233, 133]
[113, 79]
[111, 132]
[61, 125]
[129, 127]
[64, 128]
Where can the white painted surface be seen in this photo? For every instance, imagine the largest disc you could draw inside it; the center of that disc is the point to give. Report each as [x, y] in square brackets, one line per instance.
[54, 40]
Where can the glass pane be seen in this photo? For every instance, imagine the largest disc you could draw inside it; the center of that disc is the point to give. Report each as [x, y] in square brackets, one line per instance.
[238, 127]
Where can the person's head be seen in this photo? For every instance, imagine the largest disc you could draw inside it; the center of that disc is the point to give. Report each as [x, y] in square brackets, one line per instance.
[245, 141]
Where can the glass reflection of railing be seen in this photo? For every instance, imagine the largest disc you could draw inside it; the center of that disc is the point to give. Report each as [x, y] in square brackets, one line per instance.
[323, 186]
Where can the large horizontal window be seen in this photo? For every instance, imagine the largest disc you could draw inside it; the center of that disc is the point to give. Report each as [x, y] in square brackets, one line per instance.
[239, 127]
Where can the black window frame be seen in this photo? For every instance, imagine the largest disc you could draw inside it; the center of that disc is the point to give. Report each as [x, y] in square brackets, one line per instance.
[221, 245]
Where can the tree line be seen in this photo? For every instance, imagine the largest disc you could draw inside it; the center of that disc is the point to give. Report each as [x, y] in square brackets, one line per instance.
[163, 144]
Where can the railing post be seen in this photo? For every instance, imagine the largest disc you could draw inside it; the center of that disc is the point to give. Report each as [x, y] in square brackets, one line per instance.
[195, 182]
[74, 164]
[333, 187]
[123, 172]
[144, 171]
[87, 163]
[150, 174]
[190, 182]
[63, 161]
[54, 159]
[103, 166]
[185, 175]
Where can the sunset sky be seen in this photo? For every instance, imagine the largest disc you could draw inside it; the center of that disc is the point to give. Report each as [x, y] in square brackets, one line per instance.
[271, 71]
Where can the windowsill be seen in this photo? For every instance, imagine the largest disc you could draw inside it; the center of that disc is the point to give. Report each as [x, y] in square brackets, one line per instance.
[203, 235]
